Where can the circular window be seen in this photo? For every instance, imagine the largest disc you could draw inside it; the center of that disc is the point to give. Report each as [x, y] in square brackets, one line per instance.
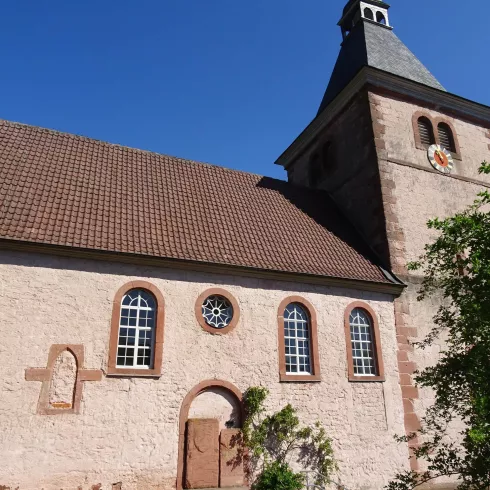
[217, 311]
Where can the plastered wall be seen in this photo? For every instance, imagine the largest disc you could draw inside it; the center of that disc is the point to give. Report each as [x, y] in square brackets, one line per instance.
[127, 429]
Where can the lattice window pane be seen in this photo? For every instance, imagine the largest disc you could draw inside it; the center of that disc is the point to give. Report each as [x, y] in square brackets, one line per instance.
[362, 339]
[297, 340]
[136, 329]
[217, 311]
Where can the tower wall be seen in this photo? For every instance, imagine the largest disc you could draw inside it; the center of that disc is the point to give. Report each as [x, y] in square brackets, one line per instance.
[382, 180]
[350, 174]
[414, 193]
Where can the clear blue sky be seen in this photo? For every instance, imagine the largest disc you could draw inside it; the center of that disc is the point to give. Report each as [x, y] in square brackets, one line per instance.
[230, 82]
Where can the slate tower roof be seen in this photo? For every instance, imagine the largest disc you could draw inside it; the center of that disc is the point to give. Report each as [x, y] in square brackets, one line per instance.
[369, 40]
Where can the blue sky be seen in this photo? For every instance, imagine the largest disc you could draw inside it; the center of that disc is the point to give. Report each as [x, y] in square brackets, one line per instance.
[230, 82]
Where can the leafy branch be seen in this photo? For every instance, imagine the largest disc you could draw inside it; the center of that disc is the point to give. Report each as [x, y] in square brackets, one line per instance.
[274, 440]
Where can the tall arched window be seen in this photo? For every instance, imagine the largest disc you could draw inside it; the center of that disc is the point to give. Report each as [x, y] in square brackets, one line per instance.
[137, 330]
[363, 347]
[136, 344]
[364, 355]
[426, 131]
[298, 346]
[446, 137]
[368, 13]
[297, 340]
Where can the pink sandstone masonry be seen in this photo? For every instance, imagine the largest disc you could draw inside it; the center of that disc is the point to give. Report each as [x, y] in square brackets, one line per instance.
[413, 192]
[127, 430]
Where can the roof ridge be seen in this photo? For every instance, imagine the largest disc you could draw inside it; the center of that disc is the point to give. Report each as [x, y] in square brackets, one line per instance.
[56, 132]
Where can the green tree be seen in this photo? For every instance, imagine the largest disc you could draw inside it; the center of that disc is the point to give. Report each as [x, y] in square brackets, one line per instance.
[273, 440]
[457, 266]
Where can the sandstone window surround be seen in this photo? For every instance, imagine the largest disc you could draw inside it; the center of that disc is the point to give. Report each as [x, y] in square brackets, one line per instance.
[297, 318]
[137, 326]
[71, 404]
[217, 311]
[440, 131]
[362, 334]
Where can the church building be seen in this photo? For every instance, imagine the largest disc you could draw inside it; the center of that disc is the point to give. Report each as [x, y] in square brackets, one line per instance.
[141, 294]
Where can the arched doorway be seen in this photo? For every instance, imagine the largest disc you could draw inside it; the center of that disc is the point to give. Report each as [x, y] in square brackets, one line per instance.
[210, 416]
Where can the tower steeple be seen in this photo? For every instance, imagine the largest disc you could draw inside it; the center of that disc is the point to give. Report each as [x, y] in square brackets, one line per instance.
[374, 11]
[369, 41]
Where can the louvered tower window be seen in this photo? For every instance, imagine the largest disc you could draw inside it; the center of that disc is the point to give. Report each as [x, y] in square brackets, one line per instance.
[426, 132]
[446, 137]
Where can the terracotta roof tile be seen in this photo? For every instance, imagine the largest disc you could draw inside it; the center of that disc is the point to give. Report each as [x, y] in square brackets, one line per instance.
[68, 190]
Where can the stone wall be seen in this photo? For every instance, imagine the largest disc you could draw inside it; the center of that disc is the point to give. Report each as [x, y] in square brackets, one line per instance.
[127, 430]
[351, 175]
[413, 192]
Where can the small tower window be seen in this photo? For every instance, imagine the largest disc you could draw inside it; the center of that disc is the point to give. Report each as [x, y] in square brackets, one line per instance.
[314, 171]
[381, 18]
[446, 137]
[368, 14]
[426, 132]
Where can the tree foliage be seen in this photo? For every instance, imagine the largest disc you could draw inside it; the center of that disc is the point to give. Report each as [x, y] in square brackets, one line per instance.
[273, 440]
[457, 266]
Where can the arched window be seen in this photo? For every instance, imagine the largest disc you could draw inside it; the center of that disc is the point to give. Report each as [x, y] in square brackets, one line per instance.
[362, 338]
[446, 137]
[137, 330]
[364, 355]
[297, 340]
[136, 344]
[426, 131]
[368, 13]
[298, 344]
[380, 18]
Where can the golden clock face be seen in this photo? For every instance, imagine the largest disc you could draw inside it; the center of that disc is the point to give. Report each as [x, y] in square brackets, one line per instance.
[441, 159]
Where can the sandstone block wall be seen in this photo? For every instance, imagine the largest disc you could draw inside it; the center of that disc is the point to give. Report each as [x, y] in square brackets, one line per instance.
[127, 430]
[413, 192]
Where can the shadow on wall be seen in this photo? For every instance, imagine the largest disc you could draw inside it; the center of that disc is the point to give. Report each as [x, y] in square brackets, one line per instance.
[151, 273]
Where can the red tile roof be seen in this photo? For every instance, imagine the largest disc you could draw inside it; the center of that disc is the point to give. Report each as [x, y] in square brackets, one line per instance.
[68, 190]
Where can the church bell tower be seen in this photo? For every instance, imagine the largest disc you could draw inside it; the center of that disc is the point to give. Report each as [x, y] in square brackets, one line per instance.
[373, 147]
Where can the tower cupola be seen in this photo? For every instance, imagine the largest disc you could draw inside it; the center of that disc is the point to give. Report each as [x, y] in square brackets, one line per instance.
[369, 42]
[374, 11]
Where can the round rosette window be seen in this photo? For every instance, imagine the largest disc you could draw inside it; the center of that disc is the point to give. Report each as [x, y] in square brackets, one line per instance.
[217, 311]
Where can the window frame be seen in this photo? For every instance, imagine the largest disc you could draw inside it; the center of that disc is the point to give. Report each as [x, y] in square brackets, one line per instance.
[315, 375]
[202, 321]
[435, 121]
[157, 354]
[376, 341]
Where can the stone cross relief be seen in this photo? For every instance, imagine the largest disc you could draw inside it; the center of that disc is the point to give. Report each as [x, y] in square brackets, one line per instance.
[62, 380]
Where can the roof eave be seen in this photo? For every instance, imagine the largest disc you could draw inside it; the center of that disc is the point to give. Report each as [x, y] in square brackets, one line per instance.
[394, 287]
